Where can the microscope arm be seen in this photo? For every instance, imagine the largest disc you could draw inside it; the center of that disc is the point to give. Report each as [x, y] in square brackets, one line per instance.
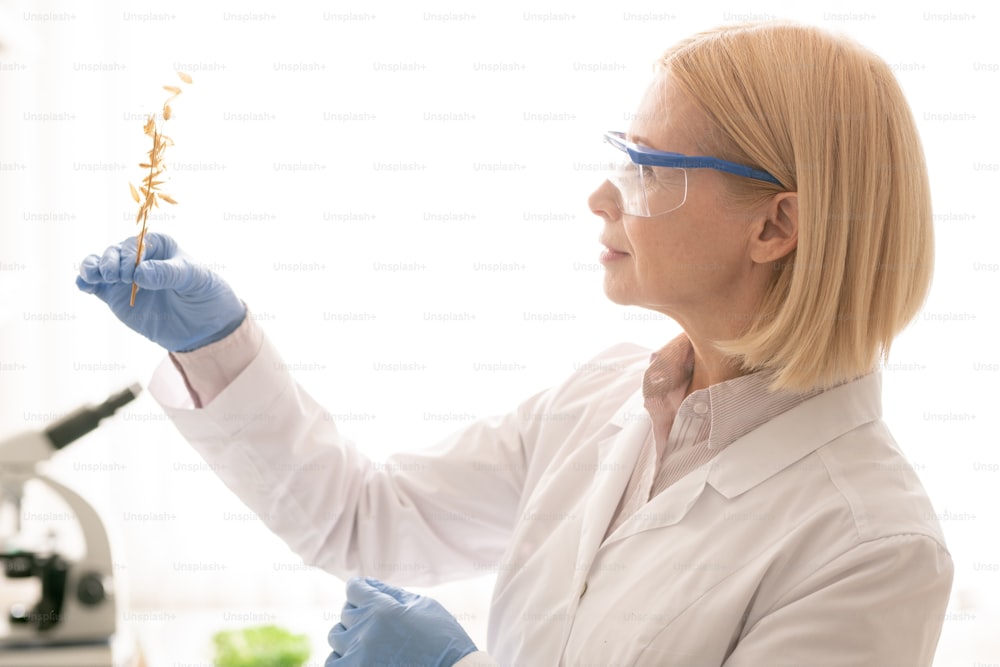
[94, 534]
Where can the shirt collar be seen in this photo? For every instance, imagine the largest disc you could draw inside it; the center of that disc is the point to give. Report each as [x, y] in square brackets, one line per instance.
[670, 368]
[733, 407]
[738, 406]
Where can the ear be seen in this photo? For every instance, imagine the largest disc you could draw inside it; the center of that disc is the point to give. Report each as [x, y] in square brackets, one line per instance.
[778, 233]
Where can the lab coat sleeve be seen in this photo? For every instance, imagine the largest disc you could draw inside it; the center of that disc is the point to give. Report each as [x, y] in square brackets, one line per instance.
[477, 659]
[420, 518]
[881, 603]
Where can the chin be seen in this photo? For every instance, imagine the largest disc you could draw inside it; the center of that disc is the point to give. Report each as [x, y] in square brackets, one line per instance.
[618, 300]
[618, 294]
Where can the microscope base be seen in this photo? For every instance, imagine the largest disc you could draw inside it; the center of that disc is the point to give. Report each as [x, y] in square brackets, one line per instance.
[120, 651]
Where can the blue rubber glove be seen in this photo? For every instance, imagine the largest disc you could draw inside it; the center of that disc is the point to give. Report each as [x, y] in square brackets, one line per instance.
[180, 305]
[384, 625]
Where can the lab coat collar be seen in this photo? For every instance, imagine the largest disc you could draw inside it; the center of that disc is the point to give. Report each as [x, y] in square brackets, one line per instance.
[747, 462]
[634, 409]
[617, 454]
[792, 435]
[665, 509]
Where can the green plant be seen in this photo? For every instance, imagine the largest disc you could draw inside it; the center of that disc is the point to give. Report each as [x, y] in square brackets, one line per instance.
[260, 646]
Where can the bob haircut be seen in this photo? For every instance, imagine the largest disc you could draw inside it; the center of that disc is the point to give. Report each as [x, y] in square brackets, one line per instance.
[828, 119]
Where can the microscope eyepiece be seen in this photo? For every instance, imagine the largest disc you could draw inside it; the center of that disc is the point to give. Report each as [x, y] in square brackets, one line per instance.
[84, 420]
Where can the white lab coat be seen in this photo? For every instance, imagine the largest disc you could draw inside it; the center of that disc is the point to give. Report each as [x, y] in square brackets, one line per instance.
[807, 542]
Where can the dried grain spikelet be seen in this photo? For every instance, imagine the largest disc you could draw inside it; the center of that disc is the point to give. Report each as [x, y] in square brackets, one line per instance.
[151, 195]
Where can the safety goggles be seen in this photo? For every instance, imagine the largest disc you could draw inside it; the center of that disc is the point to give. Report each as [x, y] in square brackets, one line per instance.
[652, 182]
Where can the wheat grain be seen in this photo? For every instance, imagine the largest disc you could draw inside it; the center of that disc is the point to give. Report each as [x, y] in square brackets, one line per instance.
[149, 195]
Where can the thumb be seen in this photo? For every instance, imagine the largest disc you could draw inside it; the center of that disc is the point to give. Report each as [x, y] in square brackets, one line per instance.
[159, 274]
[398, 594]
[361, 593]
[157, 245]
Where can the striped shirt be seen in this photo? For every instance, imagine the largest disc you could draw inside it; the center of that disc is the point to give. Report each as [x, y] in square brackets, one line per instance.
[689, 432]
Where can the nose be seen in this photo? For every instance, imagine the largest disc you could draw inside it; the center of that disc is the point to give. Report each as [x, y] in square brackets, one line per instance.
[603, 202]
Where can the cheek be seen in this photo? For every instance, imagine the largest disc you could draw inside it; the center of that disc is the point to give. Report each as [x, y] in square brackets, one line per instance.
[675, 248]
[658, 245]
[646, 235]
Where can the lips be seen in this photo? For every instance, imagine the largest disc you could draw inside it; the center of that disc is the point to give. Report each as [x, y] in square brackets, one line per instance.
[611, 254]
[611, 247]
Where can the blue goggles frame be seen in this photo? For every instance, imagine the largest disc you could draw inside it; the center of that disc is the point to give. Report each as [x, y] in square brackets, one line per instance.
[654, 158]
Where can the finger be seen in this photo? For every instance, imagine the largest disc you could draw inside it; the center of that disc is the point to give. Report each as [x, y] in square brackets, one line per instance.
[90, 270]
[342, 641]
[84, 286]
[126, 266]
[398, 594]
[332, 636]
[110, 264]
[351, 615]
[106, 292]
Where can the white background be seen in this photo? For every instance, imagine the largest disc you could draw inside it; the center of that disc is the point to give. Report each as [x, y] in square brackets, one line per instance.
[432, 106]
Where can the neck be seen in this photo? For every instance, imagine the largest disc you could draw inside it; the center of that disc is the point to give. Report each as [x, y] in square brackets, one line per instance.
[710, 368]
[710, 365]
[703, 325]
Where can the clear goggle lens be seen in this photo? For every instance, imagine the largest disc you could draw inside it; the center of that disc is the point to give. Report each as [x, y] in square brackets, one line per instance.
[647, 191]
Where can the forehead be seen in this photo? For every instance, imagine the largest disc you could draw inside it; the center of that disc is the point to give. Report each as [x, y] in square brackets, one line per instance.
[666, 119]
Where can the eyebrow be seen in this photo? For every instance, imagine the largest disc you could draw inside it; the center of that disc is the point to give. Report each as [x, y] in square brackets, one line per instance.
[631, 137]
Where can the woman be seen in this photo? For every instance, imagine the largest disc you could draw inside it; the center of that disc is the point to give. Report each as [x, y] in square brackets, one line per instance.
[732, 499]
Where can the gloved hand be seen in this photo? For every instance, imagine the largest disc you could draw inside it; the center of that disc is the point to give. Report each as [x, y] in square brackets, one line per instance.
[180, 305]
[384, 625]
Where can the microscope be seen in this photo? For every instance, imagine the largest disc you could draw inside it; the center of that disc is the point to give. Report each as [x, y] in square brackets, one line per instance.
[73, 621]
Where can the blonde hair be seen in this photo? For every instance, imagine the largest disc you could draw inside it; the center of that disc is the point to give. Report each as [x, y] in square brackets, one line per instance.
[827, 118]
